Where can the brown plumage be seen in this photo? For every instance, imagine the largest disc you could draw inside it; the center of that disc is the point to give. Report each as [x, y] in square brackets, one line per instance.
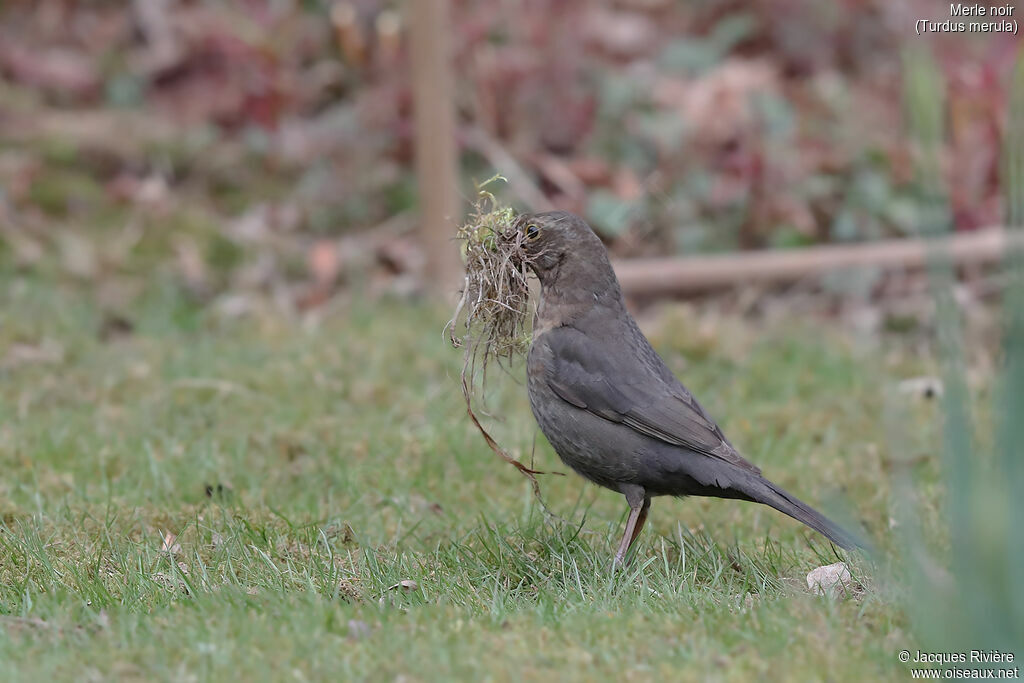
[608, 404]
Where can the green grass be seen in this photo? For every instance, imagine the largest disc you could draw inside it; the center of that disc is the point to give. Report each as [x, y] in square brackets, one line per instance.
[304, 470]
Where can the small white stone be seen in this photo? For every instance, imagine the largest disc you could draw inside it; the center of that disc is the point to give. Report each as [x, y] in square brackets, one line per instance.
[833, 580]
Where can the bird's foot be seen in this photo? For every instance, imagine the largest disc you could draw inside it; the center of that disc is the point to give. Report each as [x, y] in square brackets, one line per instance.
[620, 561]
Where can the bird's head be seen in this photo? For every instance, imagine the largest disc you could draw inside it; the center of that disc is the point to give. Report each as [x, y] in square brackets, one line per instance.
[558, 244]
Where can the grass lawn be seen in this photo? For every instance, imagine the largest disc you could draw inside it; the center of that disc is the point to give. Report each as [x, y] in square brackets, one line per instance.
[214, 499]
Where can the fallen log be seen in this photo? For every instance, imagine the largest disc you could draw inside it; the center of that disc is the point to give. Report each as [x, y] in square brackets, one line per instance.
[664, 276]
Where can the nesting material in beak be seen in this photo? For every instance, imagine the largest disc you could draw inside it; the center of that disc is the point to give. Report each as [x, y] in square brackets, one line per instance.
[490, 320]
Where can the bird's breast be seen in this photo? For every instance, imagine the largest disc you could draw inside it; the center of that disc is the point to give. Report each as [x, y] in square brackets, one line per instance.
[597, 449]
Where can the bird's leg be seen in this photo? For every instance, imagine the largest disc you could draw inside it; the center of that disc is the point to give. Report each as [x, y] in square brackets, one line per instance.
[627, 536]
[641, 520]
[638, 506]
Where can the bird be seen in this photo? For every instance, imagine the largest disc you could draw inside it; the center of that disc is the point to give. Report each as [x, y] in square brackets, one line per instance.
[607, 403]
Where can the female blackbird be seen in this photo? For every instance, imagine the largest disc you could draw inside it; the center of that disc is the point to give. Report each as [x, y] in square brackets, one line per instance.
[608, 404]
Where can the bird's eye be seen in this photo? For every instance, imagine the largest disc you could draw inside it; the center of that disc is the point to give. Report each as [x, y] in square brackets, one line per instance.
[532, 231]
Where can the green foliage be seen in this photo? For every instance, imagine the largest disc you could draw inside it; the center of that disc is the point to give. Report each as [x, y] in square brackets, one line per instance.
[979, 601]
[612, 215]
[698, 54]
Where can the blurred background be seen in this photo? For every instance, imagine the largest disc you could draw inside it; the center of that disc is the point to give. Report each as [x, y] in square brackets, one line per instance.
[226, 228]
[258, 150]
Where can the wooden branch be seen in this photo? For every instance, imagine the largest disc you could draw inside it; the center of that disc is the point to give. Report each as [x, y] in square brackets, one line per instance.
[647, 277]
[436, 153]
[519, 180]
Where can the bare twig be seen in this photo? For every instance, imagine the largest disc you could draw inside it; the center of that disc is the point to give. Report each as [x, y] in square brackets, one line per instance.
[518, 179]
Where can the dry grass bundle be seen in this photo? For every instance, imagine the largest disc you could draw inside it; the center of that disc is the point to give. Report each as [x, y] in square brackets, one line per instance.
[490, 320]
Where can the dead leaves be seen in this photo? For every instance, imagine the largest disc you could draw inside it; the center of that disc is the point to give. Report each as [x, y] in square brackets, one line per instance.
[170, 543]
[393, 595]
[63, 71]
[406, 585]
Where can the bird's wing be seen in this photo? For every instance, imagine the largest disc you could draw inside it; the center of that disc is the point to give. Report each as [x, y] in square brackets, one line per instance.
[633, 389]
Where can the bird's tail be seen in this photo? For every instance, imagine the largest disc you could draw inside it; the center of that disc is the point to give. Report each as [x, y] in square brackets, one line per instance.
[761, 490]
